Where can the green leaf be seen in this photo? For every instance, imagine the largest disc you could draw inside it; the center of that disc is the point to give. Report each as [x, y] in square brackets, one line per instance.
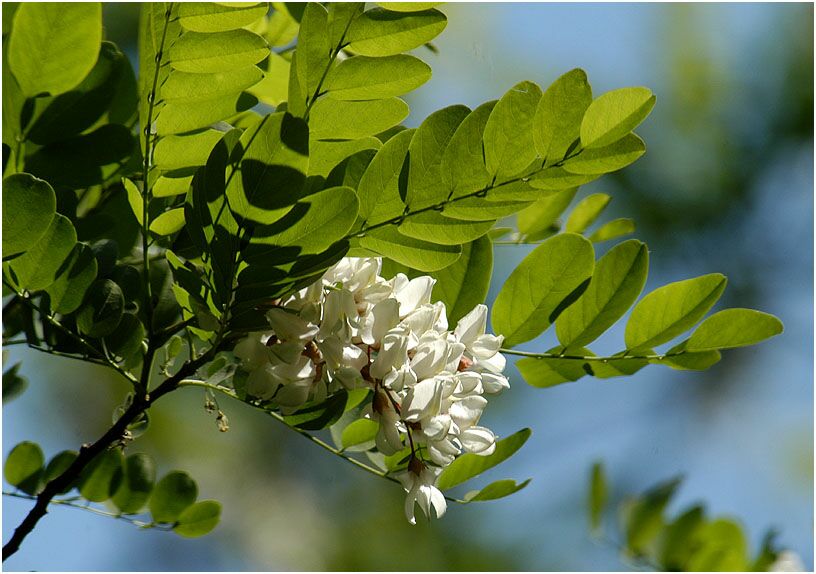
[516, 191]
[319, 414]
[342, 16]
[13, 383]
[168, 222]
[172, 495]
[469, 465]
[481, 209]
[586, 212]
[281, 28]
[97, 478]
[135, 199]
[24, 467]
[720, 546]
[382, 185]
[326, 155]
[103, 308]
[618, 279]
[126, 340]
[214, 17]
[359, 432]
[274, 87]
[198, 519]
[364, 78]
[314, 223]
[543, 373]
[59, 464]
[557, 178]
[190, 86]
[77, 274]
[408, 6]
[463, 167]
[379, 32]
[415, 253]
[538, 218]
[550, 278]
[671, 310]
[557, 122]
[40, 266]
[615, 114]
[425, 184]
[73, 112]
[180, 116]
[53, 46]
[508, 135]
[613, 229]
[678, 540]
[138, 474]
[434, 227]
[680, 359]
[598, 494]
[218, 52]
[465, 283]
[607, 159]
[312, 56]
[189, 150]
[734, 328]
[171, 186]
[332, 119]
[496, 490]
[272, 171]
[29, 205]
[644, 519]
[85, 160]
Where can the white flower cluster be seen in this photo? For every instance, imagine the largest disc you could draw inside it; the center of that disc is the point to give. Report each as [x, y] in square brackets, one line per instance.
[353, 329]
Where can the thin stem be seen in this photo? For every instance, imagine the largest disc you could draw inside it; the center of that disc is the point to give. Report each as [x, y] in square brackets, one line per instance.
[71, 502]
[332, 56]
[146, 177]
[230, 393]
[589, 358]
[11, 342]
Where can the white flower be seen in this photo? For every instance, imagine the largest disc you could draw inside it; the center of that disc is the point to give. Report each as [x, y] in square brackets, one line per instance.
[422, 490]
[478, 440]
[393, 354]
[422, 400]
[252, 352]
[471, 332]
[339, 314]
[290, 326]
[493, 383]
[383, 317]
[412, 294]
[787, 561]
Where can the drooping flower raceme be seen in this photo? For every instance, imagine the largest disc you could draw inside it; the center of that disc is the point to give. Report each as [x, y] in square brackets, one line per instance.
[354, 329]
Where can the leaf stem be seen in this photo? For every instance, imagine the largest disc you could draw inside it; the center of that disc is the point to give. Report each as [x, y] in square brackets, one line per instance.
[72, 504]
[655, 357]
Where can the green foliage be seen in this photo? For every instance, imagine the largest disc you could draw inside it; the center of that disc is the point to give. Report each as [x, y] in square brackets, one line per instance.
[24, 467]
[690, 541]
[379, 32]
[29, 205]
[556, 272]
[671, 310]
[128, 482]
[55, 58]
[613, 115]
[496, 490]
[365, 78]
[598, 494]
[13, 383]
[734, 328]
[469, 465]
[559, 114]
[172, 495]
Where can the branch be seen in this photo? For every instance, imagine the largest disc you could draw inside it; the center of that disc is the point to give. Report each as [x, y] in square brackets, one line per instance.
[70, 503]
[141, 402]
[326, 446]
